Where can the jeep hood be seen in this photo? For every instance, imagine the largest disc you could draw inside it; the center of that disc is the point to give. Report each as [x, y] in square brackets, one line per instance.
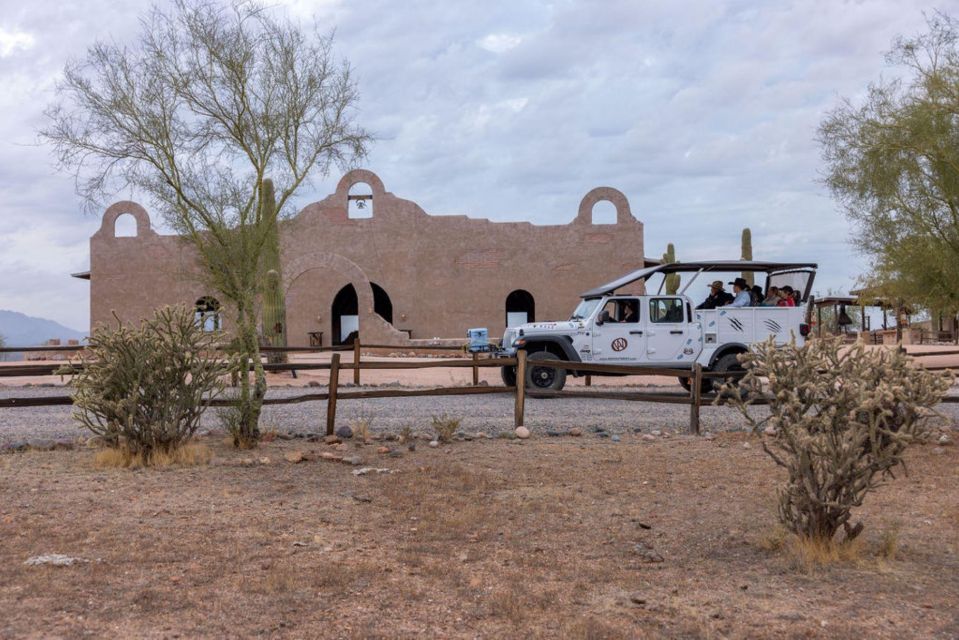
[532, 328]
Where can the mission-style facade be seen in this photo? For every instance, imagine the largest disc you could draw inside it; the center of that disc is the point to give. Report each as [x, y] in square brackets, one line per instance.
[396, 275]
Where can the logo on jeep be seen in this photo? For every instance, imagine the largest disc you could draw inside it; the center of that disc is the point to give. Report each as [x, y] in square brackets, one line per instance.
[619, 344]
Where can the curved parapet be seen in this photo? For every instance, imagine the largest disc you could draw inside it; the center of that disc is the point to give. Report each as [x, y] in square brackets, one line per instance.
[609, 194]
[125, 207]
[357, 176]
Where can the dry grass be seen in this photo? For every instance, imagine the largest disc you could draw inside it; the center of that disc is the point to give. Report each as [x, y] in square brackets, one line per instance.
[445, 426]
[190, 454]
[808, 554]
[889, 542]
[361, 427]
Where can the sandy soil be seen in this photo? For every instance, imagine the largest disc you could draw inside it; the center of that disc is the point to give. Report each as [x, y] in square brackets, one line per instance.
[481, 539]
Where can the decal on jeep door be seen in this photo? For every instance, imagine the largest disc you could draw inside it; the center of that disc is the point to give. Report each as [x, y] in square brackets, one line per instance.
[619, 344]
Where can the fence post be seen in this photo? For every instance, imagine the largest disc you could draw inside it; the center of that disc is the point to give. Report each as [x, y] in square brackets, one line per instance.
[331, 400]
[356, 361]
[520, 388]
[695, 392]
[475, 369]
[589, 380]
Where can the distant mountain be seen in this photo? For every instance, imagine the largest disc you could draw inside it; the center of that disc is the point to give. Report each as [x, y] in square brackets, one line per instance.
[21, 330]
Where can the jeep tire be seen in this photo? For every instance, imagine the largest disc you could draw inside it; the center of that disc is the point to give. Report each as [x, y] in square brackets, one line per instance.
[543, 378]
[728, 363]
[705, 385]
[509, 376]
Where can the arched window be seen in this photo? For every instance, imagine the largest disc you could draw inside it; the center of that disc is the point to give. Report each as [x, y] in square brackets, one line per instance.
[604, 212]
[520, 308]
[207, 314]
[345, 315]
[125, 226]
[382, 305]
[360, 201]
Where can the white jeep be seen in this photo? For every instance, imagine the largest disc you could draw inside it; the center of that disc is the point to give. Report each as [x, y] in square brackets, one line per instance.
[662, 330]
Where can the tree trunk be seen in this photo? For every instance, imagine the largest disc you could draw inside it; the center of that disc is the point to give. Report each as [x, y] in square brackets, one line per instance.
[250, 401]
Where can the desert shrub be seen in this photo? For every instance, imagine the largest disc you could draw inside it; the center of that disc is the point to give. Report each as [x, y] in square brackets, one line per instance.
[361, 425]
[445, 426]
[143, 390]
[841, 418]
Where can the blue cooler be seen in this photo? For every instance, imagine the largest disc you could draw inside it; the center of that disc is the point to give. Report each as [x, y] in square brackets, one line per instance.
[478, 340]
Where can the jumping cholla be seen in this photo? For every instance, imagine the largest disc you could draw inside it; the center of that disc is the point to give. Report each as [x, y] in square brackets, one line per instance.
[840, 418]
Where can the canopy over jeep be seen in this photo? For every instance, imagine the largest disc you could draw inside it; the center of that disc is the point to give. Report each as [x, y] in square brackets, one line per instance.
[698, 267]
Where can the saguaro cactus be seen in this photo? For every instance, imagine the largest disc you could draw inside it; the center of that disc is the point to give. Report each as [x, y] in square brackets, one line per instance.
[274, 301]
[747, 253]
[672, 280]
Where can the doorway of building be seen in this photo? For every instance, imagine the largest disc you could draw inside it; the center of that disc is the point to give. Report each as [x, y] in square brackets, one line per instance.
[345, 311]
[345, 314]
[520, 308]
[382, 305]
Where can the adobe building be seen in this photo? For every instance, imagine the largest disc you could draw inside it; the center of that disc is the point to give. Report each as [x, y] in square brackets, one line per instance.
[396, 275]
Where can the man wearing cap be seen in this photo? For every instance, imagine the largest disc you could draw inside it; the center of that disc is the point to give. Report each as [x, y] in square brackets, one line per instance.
[741, 289]
[717, 297]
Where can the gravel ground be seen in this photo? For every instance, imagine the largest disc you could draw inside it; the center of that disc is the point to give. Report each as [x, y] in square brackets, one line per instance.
[489, 413]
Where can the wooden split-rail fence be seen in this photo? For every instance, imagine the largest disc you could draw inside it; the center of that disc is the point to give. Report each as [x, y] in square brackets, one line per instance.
[335, 394]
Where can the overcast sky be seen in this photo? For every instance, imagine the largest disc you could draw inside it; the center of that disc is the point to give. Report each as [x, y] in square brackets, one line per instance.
[703, 113]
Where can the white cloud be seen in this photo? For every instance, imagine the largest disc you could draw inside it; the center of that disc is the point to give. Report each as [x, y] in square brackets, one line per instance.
[11, 41]
[499, 42]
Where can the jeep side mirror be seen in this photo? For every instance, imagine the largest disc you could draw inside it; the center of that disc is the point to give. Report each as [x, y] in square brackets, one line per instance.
[602, 318]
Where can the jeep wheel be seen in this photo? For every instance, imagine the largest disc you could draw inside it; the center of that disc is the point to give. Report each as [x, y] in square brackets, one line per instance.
[705, 386]
[544, 378]
[509, 376]
[727, 364]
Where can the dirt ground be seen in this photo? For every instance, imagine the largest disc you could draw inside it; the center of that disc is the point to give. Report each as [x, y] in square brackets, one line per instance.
[483, 539]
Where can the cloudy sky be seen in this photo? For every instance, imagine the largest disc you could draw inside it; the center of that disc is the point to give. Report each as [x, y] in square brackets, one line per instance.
[703, 112]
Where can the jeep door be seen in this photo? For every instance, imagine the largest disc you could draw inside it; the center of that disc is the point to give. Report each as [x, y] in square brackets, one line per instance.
[668, 336]
[618, 333]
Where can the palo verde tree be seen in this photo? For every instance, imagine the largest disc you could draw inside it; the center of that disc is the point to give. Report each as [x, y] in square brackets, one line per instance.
[893, 164]
[201, 111]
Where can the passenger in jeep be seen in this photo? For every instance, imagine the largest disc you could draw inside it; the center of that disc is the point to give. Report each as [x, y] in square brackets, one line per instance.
[786, 297]
[743, 298]
[717, 297]
[772, 299]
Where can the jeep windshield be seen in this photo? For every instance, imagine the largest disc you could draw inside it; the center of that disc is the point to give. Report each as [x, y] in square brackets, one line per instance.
[584, 309]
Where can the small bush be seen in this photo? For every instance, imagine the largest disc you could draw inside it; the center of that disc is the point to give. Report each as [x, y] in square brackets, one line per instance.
[841, 420]
[143, 390]
[445, 426]
[361, 426]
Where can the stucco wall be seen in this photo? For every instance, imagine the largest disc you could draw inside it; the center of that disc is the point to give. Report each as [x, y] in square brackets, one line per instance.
[443, 274]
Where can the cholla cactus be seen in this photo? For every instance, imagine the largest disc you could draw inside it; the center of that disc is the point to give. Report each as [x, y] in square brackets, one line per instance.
[840, 419]
[143, 390]
[672, 280]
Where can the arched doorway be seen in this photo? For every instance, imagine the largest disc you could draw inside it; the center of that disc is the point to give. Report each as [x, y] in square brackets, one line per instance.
[345, 314]
[382, 305]
[520, 308]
